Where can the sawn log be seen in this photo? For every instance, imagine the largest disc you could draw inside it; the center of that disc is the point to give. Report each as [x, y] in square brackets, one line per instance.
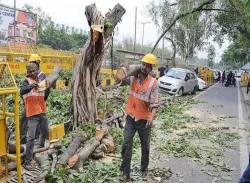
[85, 152]
[75, 144]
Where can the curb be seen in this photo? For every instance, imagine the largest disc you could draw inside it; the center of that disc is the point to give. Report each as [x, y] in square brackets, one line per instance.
[246, 99]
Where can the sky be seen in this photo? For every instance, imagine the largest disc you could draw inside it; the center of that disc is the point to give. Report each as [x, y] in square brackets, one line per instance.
[71, 13]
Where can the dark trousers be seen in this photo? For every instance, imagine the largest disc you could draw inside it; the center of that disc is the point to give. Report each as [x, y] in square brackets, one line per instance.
[144, 133]
[34, 122]
[246, 175]
[24, 128]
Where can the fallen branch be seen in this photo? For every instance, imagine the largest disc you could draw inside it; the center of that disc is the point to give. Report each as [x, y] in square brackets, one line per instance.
[84, 154]
[43, 160]
[98, 155]
[54, 157]
[101, 148]
[109, 143]
[114, 116]
[72, 148]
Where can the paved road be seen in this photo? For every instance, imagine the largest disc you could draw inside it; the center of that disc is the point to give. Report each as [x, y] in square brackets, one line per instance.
[186, 170]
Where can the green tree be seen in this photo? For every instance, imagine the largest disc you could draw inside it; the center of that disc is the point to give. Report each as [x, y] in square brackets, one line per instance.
[211, 56]
[238, 51]
[235, 19]
[189, 32]
[80, 39]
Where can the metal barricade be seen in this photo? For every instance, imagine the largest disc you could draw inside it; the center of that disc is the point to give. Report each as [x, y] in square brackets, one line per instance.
[8, 87]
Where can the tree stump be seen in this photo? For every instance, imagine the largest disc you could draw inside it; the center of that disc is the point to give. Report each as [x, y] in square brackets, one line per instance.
[84, 99]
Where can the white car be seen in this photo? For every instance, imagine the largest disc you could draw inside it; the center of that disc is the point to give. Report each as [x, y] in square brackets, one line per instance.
[202, 84]
[178, 81]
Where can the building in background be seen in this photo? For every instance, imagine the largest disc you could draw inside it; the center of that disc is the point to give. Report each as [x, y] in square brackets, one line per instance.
[69, 29]
[26, 27]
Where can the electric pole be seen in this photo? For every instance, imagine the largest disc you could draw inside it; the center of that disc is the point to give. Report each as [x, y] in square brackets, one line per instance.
[135, 30]
[143, 24]
[14, 22]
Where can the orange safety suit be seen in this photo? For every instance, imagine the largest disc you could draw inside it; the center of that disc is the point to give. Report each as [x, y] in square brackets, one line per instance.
[139, 97]
[34, 101]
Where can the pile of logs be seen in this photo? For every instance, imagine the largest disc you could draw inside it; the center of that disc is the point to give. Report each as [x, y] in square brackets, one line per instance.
[80, 149]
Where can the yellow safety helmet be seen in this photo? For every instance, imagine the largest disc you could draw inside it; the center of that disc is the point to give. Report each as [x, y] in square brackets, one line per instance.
[34, 57]
[150, 59]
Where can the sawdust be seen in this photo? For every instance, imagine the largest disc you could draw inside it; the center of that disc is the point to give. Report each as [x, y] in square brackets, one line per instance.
[203, 116]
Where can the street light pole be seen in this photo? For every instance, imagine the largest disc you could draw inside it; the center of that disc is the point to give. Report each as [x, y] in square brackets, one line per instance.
[143, 24]
[135, 30]
[14, 22]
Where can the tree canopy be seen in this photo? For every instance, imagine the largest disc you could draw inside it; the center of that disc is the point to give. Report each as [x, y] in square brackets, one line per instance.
[191, 23]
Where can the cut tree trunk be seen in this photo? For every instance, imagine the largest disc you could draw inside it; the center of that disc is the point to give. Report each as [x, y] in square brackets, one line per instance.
[74, 145]
[101, 148]
[84, 99]
[43, 160]
[84, 154]
[98, 155]
[109, 143]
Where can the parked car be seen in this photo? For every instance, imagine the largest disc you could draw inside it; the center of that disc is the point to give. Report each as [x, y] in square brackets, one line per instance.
[202, 84]
[178, 81]
[239, 73]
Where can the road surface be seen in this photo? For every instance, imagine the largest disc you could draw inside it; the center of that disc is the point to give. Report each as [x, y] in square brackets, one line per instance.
[231, 100]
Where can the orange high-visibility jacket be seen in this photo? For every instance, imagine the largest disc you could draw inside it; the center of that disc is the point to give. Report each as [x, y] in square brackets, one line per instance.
[34, 101]
[138, 100]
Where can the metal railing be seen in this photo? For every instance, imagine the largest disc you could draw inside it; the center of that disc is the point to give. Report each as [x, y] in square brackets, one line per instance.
[8, 87]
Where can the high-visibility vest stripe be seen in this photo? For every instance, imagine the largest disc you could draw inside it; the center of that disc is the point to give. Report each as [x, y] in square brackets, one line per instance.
[34, 101]
[139, 97]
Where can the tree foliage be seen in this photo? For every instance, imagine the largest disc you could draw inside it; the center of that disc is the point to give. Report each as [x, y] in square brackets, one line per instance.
[211, 56]
[235, 24]
[189, 31]
[238, 51]
[236, 18]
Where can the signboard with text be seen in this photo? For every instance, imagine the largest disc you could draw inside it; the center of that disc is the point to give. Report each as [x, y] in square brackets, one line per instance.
[25, 29]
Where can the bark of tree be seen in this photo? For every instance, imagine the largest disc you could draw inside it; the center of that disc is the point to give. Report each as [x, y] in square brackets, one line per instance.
[174, 49]
[84, 154]
[44, 161]
[72, 148]
[109, 143]
[84, 100]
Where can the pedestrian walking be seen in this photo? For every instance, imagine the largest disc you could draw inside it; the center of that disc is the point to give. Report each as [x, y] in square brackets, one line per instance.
[141, 108]
[223, 77]
[219, 76]
[36, 109]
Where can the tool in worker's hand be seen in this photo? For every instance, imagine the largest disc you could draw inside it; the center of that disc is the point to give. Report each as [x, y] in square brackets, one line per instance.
[50, 79]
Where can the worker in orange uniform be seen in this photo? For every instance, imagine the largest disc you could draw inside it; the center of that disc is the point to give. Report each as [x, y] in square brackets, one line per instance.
[35, 107]
[34, 58]
[141, 108]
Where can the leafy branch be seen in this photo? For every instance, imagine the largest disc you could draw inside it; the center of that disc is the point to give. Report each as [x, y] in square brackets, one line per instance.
[182, 15]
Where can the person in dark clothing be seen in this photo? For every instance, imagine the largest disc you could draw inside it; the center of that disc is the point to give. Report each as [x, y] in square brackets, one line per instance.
[196, 70]
[35, 108]
[229, 76]
[162, 71]
[219, 76]
[36, 59]
[166, 70]
[245, 178]
[141, 108]
[223, 77]
[248, 86]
